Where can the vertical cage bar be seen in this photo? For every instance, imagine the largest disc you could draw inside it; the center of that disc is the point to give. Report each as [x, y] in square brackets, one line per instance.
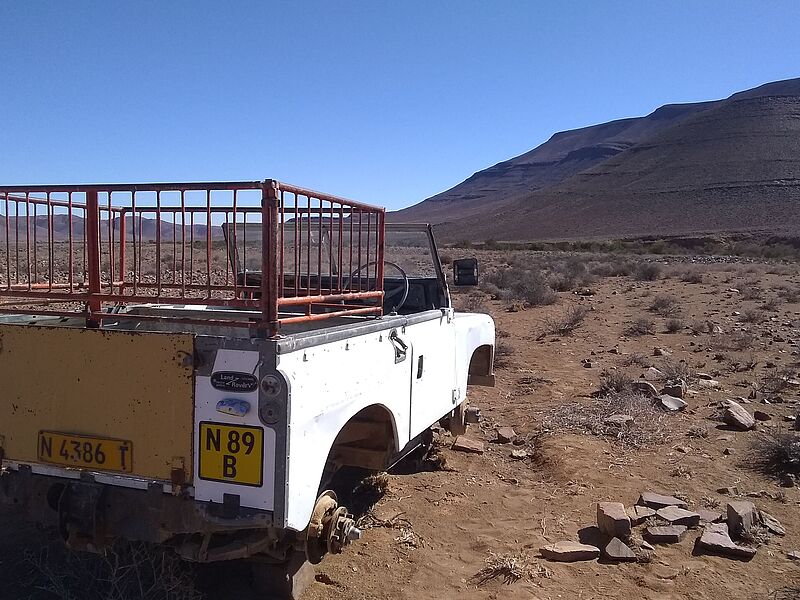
[93, 256]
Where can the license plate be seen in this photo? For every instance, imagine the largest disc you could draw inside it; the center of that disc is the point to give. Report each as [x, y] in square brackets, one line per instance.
[231, 453]
[69, 449]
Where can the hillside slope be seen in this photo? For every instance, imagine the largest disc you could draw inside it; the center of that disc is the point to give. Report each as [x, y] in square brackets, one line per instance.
[603, 172]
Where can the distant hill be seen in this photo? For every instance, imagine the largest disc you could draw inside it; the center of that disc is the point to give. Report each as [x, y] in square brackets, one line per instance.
[724, 166]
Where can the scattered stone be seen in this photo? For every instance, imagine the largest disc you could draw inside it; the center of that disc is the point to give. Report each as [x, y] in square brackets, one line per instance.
[519, 454]
[679, 516]
[705, 376]
[639, 514]
[665, 534]
[677, 390]
[569, 552]
[716, 539]
[465, 444]
[710, 516]
[506, 435]
[645, 388]
[760, 415]
[729, 491]
[671, 403]
[661, 352]
[729, 451]
[613, 520]
[772, 524]
[617, 550]
[737, 416]
[657, 501]
[614, 351]
[741, 516]
[717, 329]
[653, 374]
[618, 420]
[708, 383]
[683, 449]
[793, 555]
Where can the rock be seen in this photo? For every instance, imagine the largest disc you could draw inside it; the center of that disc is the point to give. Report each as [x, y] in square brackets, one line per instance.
[717, 329]
[569, 552]
[729, 451]
[614, 351]
[638, 514]
[715, 538]
[613, 520]
[618, 420]
[705, 376]
[760, 415]
[741, 516]
[787, 480]
[679, 516]
[793, 555]
[729, 491]
[737, 416]
[671, 403]
[506, 435]
[683, 449]
[676, 390]
[665, 534]
[653, 374]
[465, 444]
[661, 352]
[772, 524]
[587, 363]
[519, 454]
[708, 383]
[709, 516]
[616, 550]
[645, 388]
[657, 501]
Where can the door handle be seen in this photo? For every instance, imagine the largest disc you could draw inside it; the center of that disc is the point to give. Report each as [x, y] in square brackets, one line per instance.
[400, 347]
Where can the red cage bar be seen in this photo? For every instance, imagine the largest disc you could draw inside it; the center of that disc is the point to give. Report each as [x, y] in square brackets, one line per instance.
[278, 253]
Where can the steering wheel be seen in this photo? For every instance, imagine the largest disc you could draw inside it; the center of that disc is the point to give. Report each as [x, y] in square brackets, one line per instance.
[401, 290]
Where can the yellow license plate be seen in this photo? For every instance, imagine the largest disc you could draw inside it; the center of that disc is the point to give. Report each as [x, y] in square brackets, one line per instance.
[82, 451]
[231, 453]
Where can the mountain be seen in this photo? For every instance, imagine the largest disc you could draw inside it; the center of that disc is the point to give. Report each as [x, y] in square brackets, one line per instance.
[727, 165]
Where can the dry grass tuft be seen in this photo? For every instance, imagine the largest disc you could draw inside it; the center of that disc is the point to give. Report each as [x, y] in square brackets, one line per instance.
[510, 568]
[641, 326]
[665, 305]
[775, 453]
[674, 325]
[566, 323]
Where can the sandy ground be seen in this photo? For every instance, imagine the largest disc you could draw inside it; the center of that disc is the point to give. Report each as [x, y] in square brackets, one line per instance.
[492, 504]
[445, 524]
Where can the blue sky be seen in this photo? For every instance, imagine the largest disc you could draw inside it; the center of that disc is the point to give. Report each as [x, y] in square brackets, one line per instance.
[385, 102]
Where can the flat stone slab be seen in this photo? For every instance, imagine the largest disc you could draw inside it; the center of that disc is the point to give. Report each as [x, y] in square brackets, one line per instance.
[679, 516]
[737, 416]
[716, 539]
[665, 534]
[741, 516]
[618, 551]
[772, 524]
[465, 444]
[569, 552]
[671, 403]
[645, 388]
[710, 516]
[639, 514]
[618, 420]
[656, 501]
[506, 435]
[613, 520]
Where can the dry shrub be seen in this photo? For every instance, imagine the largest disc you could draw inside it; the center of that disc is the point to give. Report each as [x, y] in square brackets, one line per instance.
[129, 570]
[750, 290]
[474, 302]
[772, 305]
[697, 431]
[738, 341]
[641, 326]
[752, 315]
[674, 325]
[665, 305]
[791, 295]
[647, 272]
[675, 370]
[518, 283]
[649, 425]
[786, 593]
[566, 323]
[502, 354]
[776, 380]
[692, 277]
[775, 453]
[614, 382]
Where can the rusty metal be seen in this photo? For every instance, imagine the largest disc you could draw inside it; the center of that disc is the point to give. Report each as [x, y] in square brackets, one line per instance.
[82, 249]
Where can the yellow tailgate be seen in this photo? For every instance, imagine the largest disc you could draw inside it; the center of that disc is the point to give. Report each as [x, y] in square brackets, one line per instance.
[100, 386]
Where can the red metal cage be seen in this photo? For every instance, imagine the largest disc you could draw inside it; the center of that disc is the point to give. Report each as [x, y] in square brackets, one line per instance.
[272, 252]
